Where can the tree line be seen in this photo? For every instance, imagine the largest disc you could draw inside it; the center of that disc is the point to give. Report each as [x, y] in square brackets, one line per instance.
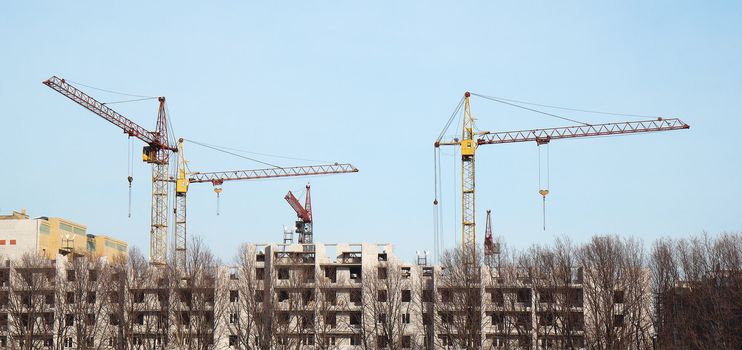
[609, 292]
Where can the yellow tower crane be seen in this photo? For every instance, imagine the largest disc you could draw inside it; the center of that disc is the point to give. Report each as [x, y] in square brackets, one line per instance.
[471, 140]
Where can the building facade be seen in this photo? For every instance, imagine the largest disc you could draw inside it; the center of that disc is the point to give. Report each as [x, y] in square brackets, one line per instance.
[49, 236]
[350, 296]
[289, 296]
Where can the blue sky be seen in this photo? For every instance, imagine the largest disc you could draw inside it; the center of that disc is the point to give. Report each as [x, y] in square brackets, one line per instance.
[373, 84]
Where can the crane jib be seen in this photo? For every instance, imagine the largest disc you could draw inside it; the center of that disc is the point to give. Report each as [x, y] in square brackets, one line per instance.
[272, 173]
[546, 135]
[129, 127]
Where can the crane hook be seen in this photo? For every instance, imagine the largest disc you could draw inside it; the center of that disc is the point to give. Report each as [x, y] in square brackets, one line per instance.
[218, 191]
[129, 170]
[544, 193]
[130, 179]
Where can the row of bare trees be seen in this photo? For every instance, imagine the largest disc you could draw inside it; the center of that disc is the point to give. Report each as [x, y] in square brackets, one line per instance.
[610, 292]
[697, 285]
[89, 303]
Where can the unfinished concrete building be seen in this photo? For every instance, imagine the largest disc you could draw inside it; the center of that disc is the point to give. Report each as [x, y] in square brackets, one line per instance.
[349, 296]
[290, 296]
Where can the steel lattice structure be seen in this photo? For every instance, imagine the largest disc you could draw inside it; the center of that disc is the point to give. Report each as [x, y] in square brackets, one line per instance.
[470, 140]
[218, 177]
[304, 215]
[545, 135]
[157, 152]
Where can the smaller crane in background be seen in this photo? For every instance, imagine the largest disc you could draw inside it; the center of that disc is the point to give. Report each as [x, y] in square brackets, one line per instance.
[491, 248]
[489, 243]
[304, 216]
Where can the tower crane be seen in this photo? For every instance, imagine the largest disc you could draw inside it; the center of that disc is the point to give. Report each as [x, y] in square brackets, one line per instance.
[491, 248]
[218, 178]
[470, 140]
[304, 216]
[489, 243]
[157, 151]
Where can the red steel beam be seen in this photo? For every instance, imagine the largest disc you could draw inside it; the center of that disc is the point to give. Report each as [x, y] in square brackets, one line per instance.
[129, 127]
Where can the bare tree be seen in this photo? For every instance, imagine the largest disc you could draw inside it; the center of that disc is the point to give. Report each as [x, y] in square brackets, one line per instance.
[291, 303]
[82, 298]
[193, 309]
[557, 306]
[31, 296]
[616, 293]
[697, 284]
[459, 302]
[388, 306]
[248, 326]
[139, 304]
[508, 299]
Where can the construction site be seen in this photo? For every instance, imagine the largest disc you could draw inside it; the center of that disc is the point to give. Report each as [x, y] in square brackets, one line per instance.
[587, 228]
[299, 293]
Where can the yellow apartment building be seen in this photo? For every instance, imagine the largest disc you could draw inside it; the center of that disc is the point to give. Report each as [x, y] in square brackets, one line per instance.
[20, 234]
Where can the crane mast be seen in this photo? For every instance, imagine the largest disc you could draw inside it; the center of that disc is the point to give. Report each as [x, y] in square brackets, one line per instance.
[468, 212]
[471, 140]
[156, 152]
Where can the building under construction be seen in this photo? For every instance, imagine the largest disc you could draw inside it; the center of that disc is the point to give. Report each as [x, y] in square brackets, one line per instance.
[288, 296]
[309, 295]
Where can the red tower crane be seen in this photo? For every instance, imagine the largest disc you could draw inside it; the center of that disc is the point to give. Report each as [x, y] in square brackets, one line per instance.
[304, 216]
[489, 243]
[470, 140]
[157, 151]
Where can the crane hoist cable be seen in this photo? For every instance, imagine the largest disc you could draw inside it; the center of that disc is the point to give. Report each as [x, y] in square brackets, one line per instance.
[441, 210]
[111, 91]
[437, 206]
[218, 185]
[438, 227]
[571, 108]
[130, 169]
[217, 148]
[265, 154]
[543, 191]
[130, 145]
[450, 119]
[126, 101]
[529, 109]
[232, 151]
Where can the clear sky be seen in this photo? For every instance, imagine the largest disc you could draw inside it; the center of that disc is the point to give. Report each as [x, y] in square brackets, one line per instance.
[373, 84]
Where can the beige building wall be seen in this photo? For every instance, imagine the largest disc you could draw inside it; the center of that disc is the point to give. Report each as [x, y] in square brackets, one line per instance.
[20, 234]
